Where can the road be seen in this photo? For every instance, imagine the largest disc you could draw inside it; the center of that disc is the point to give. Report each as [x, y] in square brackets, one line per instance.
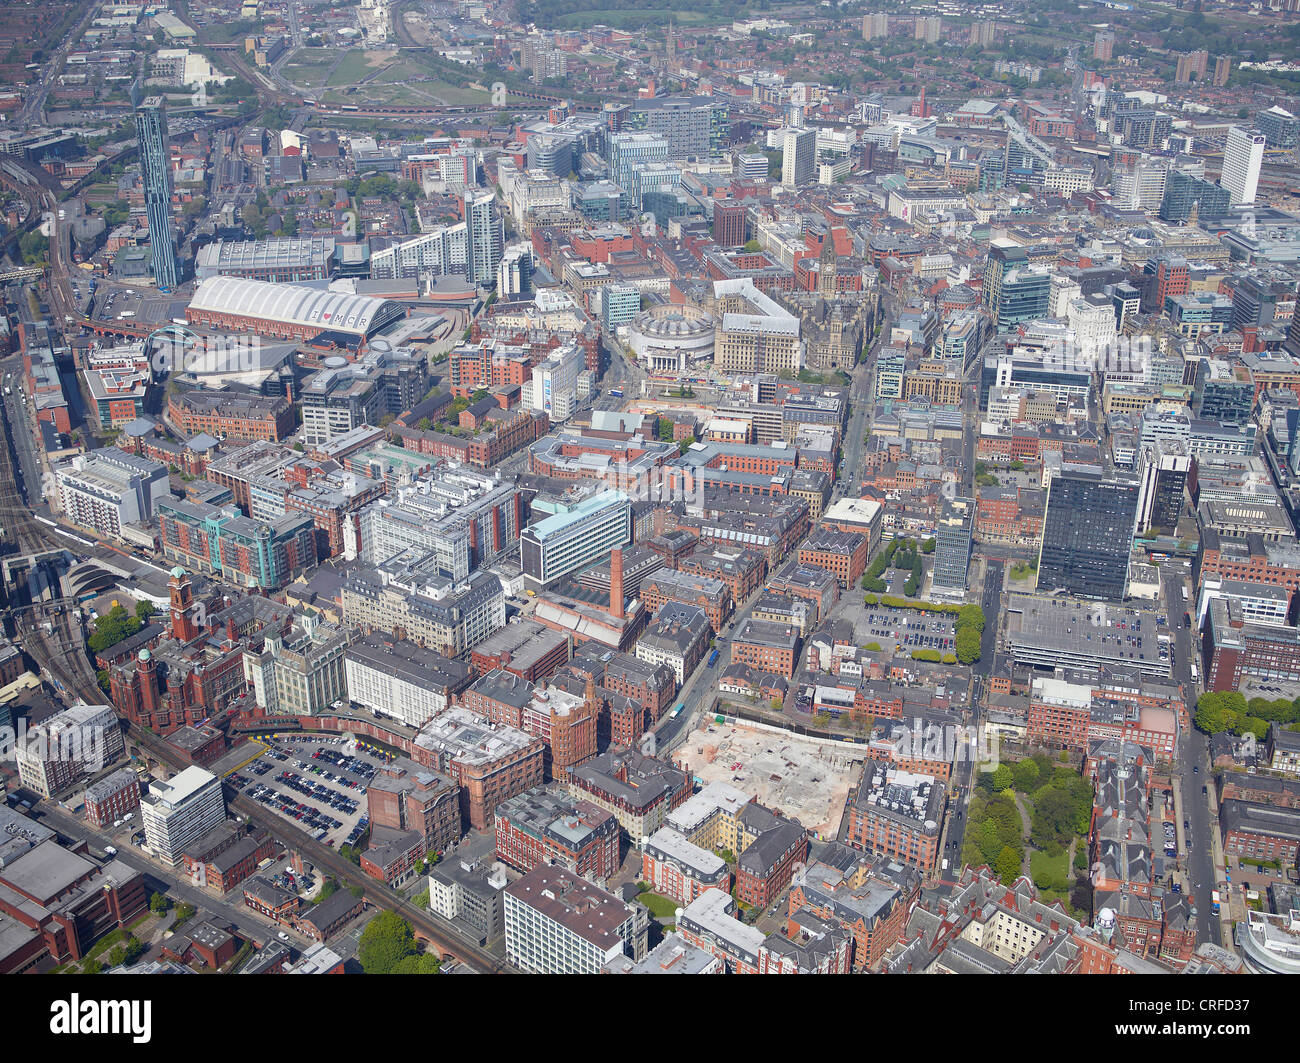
[33, 109]
[700, 687]
[860, 402]
[229, 910]
[1192, 766]
[964, 770]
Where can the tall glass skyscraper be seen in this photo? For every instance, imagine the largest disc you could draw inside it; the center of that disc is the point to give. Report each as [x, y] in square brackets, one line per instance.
[952, 548]
[156, 165]
[1088, 530]
[1184, 189]
[485, 235]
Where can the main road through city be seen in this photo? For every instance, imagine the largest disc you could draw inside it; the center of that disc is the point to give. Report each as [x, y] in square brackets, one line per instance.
[1191, 768]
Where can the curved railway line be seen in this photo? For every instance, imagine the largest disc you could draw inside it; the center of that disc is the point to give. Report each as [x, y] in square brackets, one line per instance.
[62, 654]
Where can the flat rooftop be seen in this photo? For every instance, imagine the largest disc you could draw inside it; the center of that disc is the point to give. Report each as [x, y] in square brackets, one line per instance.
[1054, 630]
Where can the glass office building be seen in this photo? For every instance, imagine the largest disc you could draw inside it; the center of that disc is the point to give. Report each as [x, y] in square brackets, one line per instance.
[155, 165]
[1088, 532]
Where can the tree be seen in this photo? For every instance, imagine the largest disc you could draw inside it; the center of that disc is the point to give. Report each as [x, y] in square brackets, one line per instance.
[971, 616]
[144, 610]
[1008, 865]
[424, 424]
[157, 903]
[968, 646]
[1025, 773]
[1054, 817]
[990, 841]
[386, 940]
[1218, 711]
[416, 963]
[1002, 778]
[113, 628]
[928, 546]
[753, 246]
[104, 680]
[1252, 725]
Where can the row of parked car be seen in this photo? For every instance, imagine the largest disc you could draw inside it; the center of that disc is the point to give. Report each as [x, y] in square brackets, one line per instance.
[356, 765]
[307, 788]
[309, 815]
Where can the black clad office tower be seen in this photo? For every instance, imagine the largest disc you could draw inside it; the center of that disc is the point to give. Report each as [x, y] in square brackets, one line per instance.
[1088, 533]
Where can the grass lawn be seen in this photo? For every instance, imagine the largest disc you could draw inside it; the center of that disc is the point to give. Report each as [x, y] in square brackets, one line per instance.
[308, 67]
[1258, 865]
[1052, 870]
[354, 66]
[660, 907]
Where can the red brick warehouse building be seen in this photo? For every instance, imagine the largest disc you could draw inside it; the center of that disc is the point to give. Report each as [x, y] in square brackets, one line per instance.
[766, 646]
[236, 417]
[898, 814]
[548, 825]
[842, 553]
[112, 797]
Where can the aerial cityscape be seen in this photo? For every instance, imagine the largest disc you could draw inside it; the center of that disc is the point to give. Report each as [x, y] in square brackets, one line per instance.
[535, 486]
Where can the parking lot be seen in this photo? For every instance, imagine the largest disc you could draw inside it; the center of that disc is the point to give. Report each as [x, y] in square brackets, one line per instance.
[317, 782]
[905, 628]
[135, 306]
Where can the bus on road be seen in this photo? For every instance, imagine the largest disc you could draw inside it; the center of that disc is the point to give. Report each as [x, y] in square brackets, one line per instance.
[677, 711]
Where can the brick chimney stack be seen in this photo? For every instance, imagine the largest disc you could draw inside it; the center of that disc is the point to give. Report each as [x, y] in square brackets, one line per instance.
[616, 582]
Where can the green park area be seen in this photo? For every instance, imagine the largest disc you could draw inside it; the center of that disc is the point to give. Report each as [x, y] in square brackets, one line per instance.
[1034, 811]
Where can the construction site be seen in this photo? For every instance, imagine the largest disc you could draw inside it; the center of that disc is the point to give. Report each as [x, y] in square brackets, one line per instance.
[799, 777]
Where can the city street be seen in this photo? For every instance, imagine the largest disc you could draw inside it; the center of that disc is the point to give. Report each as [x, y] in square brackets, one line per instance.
[228, 910]
[1202, 874]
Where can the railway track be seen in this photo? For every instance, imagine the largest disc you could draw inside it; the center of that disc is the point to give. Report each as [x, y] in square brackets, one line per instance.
[347, 873]
[20, 527]
[65, 660]
[76, 682]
